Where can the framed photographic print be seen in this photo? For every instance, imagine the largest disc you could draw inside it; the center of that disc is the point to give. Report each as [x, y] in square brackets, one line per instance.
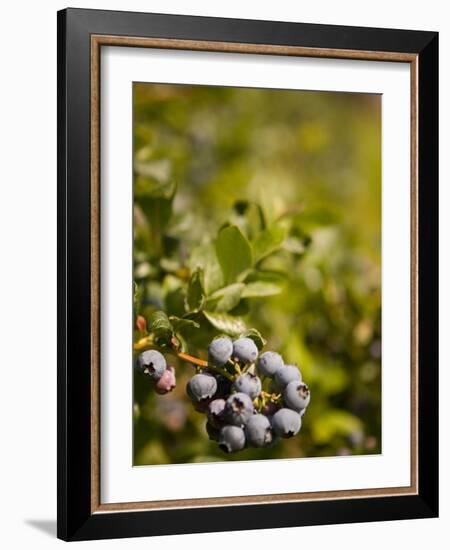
[247, 252]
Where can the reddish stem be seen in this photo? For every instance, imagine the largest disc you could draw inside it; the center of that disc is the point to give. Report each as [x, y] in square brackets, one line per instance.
[192, 359]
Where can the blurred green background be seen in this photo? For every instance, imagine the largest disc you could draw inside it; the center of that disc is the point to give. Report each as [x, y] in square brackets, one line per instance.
[307, 164]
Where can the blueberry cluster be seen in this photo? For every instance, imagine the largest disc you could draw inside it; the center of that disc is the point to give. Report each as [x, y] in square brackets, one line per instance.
[249, 399]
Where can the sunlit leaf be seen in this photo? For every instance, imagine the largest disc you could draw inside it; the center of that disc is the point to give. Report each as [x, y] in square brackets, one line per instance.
[226, 298]
[269, 240]
[267, 276]
[225, 323]
[205, 258]
[259, 289]
[234, 253]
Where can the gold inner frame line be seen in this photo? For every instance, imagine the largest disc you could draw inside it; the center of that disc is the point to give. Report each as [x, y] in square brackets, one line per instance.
[97, 41]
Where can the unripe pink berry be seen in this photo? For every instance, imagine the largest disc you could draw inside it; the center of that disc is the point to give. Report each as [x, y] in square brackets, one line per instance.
[167, 382]
[141, 323]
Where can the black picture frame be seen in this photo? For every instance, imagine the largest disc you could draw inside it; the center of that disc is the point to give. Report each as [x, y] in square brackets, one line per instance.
[76, 520]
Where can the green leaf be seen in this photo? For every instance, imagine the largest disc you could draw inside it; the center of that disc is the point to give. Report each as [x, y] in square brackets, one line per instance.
[234, 253]
[174, 295]
[157, 212]
[256, 336]
[183, 328]
[205, 258]
[259, 289]
[233, 326]
[175, 301]
[269, 240]
[160, 326]
[318, 217]
[226, 298]
[148, 188]
[183, 344]
[179, 324]
[332, 423]
[241, 309]
[248, 216]
[266, 276]
[195, 293]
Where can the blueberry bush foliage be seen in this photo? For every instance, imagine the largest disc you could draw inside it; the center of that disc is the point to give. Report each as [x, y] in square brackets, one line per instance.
[256, 237]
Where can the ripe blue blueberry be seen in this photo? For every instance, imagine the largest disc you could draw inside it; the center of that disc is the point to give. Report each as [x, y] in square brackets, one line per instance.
[296, 396]
[216, 412]
[238, 409]
[219, 351]
[287, 374]
[286, 423]
[269, 363]
[248, 383]
[245, 350]
[231, 439]
[152, 363]
[259, 431]
[201, 387]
